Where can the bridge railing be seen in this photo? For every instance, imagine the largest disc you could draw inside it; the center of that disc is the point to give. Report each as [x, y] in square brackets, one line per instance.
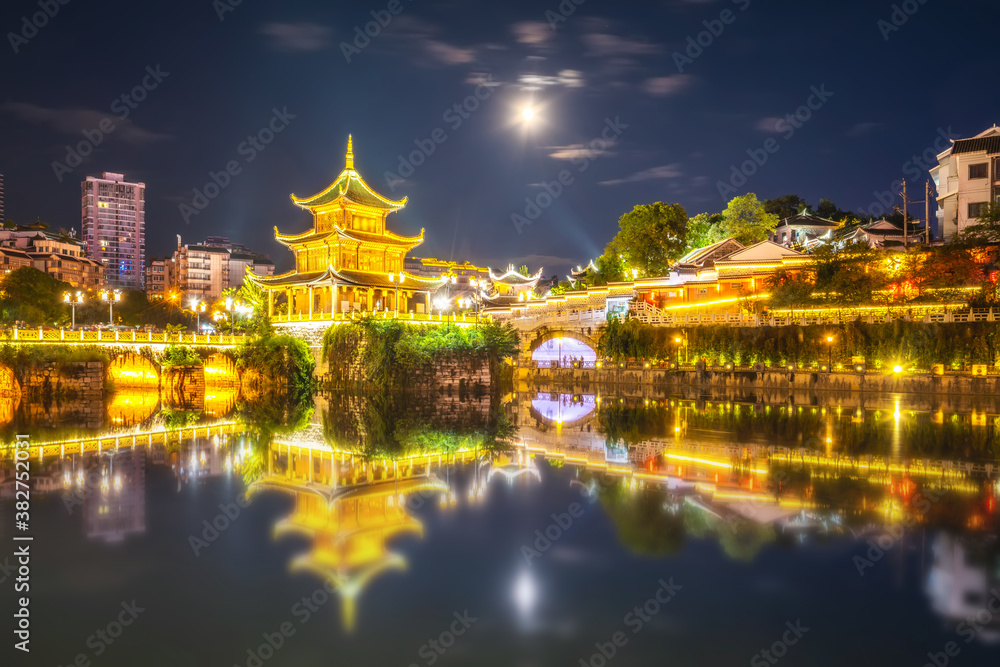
[455, 318]
[77, 336]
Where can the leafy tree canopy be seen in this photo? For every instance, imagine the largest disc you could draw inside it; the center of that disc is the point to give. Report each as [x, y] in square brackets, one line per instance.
[746, 220]
[704, 229]
[650, 237]
[32, 296]
[786, 206]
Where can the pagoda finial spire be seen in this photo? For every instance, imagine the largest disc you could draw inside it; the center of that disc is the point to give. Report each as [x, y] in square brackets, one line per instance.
[350, 153]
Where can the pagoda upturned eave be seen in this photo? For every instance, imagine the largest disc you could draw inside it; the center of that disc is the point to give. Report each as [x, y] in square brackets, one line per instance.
[312, 236]
[351, 186]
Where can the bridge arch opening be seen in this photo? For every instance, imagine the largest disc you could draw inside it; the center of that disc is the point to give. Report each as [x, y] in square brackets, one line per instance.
[134, 371]
[564, 349]
[220, 370]
[563, 409]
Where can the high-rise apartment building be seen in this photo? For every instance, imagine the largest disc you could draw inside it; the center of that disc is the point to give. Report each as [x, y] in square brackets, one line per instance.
[114, 228]
[205, 270]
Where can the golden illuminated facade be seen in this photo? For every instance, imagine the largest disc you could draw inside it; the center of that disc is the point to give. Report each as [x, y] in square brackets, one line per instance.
[349, 261]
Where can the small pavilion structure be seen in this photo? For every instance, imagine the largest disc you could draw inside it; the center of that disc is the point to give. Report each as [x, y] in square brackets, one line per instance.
[349, 262]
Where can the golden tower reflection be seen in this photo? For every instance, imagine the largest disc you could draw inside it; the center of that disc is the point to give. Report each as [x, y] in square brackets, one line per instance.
[350, 509]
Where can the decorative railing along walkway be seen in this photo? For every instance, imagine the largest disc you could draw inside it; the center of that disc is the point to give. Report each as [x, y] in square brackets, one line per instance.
[79, 337]
[456, 318]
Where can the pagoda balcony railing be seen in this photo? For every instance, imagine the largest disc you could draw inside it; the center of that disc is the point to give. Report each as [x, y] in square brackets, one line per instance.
[456, 318]
[78, 336]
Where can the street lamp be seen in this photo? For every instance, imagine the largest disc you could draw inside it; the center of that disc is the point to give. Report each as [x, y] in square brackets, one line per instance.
[198, 307]
[73, 300]
[678, 340]
[396, 279]
[111, 297]
[829, 358]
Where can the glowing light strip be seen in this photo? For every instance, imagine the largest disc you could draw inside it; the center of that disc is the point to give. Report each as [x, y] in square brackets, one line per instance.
[719, 301]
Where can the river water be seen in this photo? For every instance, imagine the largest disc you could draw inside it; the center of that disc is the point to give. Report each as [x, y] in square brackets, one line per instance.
[536, 529]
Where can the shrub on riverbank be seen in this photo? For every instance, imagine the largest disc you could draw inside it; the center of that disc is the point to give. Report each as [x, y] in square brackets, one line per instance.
[391, 353]
[277, 360]
[882, 345]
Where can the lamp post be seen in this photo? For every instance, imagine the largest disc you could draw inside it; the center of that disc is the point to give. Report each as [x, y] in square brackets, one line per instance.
[396, 279]
[678, 340]
[198, 307]
[111, 297]
[829, 357]
[478, 284]
[73, 300]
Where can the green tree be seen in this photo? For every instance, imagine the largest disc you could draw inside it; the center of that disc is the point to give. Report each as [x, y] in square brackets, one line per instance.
[786, 206]
[610, 268]
[704, 229]
[788, 290]
[650, 237]
[853, 275]
[32, 296]
[746, 220]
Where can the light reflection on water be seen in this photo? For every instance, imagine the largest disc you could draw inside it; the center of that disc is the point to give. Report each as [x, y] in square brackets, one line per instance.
[667, 475]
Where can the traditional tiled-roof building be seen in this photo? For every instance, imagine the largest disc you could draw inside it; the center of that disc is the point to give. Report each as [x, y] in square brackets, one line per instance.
[349, 260]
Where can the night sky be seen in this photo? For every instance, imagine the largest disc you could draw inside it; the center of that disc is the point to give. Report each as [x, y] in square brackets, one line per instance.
[894, 91]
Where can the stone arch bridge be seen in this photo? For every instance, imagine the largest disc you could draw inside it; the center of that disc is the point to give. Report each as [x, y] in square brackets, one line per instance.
[584, 326]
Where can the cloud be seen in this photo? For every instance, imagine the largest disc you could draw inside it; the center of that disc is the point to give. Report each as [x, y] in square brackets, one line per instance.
[663, 86]
[574, 151]
[770, 124]
[297, 37]
[75, 121]
[569, 78]
[653, 173]
[423, 39]
[607, 45]
[531, 32]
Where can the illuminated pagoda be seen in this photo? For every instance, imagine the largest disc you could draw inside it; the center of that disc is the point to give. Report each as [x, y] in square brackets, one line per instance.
[349, 261]
[510, 287]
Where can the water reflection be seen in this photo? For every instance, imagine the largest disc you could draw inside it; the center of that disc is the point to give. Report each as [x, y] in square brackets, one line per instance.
[748, 476]
[349, 509]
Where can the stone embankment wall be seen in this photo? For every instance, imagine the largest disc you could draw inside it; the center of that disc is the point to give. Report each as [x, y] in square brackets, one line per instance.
[334, 375]
[761, 380]
[84, 379]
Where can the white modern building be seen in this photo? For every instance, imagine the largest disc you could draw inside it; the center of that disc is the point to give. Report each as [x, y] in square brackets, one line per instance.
[966, 178]
[114, 228]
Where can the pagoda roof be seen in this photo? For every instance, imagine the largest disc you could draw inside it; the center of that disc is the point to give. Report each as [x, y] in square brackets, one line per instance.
[765, 251]
[807, 220]
[330, 275]
[513, 278]
[718, 250]
[351, 186]
[388, 238]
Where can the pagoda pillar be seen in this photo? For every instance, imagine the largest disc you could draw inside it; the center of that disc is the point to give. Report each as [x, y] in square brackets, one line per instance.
[427, 303]
[270, 303]
[310, 302]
